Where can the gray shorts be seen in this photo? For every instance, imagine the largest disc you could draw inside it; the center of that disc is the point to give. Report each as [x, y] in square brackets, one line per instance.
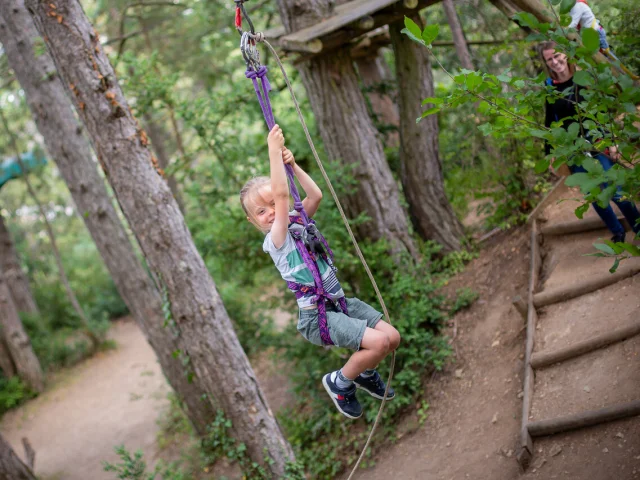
[345, 330]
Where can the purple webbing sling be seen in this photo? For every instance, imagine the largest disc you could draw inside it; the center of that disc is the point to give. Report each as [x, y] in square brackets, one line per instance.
[320, 296]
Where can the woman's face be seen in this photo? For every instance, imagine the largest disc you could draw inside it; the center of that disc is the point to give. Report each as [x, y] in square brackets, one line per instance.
[556, 61]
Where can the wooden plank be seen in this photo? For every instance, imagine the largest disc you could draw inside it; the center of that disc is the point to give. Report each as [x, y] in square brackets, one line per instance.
[525, 453]
[526, 450]
[584, 419]
[345, 14]
[567, 292]
[546, 358]
[578, 226]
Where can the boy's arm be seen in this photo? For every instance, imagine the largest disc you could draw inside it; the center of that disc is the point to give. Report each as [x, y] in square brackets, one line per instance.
[279, 187]
[313, 192]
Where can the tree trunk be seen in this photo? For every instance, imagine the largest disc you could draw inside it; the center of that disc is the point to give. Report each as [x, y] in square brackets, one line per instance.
[63, 137]
[17, 280]
[458, 34]
[11, 467]
[17, 341]
[6, 362]
[157, 136]
[373, 71]
[421, 169]
[52, 238]
[211, 347]
[348, 133]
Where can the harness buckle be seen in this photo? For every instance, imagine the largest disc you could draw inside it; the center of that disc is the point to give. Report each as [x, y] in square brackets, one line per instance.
[311, 238]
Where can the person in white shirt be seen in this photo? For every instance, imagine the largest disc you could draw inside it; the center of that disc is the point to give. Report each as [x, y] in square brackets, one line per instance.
[583, 17]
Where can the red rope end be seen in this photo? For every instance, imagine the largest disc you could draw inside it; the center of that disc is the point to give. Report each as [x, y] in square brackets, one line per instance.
[238, 18]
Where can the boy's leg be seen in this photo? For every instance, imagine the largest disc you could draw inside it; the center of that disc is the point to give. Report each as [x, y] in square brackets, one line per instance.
[392, 333]
[373, 348]
[340, 384]
[369, 380]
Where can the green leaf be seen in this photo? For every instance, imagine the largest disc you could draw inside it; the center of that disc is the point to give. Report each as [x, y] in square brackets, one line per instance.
[430, 111]
[604, 248]
[542, 165]
[581, 210]
[583, 78]
[573, 130]
[486, 129]
[538, 133]
[527, 20]
[566, 6]
[565, 21]
[555, 2]
[412, 36]
[473, 80]
[616, 247]
[590, 39]
[434, 100]
[614, 267]
[412, 27]
[632, 249]
[430, 33]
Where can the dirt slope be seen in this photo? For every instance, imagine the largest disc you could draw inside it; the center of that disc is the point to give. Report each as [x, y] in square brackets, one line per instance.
[475, 413]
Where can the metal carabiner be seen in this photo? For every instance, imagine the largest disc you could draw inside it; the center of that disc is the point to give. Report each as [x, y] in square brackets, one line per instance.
[250, 51]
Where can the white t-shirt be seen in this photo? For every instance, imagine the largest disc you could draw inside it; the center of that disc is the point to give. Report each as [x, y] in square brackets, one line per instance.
[581, 14]
[292, 268]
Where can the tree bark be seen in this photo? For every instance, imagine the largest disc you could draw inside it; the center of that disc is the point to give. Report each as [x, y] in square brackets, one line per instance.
[17, 341]
[17, 280]
[6, 362]
[11, 467]
[373, 71]
[459, 40]
[348, 132]
[421, 169]
[157, 136]
[212, 349]
[63, 138]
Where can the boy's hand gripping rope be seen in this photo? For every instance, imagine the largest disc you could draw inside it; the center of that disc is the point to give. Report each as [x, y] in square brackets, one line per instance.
[254, 69]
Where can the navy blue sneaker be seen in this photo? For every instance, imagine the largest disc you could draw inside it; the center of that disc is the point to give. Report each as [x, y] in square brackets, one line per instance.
[344, 399]
[374, 386]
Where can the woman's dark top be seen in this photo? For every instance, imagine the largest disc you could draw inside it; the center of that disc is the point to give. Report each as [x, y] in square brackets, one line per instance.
[563, 107]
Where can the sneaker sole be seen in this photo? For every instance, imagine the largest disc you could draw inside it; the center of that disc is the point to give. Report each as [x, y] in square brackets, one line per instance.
[373, 394]
[335, 400]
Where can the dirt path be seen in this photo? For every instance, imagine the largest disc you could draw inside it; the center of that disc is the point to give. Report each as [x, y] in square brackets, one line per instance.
[112, 398]
[476, 405]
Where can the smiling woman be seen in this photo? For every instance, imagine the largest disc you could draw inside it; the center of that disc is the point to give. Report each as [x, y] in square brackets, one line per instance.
[564, 112]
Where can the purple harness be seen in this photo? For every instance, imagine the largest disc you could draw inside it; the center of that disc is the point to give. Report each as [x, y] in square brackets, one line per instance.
[309, 242]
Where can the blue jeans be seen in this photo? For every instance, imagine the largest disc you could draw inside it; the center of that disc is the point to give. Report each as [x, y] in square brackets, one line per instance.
[604, 45]
[607, 215]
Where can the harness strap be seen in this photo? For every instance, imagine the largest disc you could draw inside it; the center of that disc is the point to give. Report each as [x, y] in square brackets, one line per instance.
[320, 295]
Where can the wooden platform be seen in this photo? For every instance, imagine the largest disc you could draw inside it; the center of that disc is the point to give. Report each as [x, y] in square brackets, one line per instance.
[350, 21]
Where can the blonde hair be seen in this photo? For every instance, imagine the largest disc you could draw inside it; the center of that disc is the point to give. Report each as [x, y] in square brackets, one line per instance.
[250, 197]
[551, 45]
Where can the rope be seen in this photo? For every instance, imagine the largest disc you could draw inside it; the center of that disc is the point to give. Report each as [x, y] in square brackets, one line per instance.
[260, 38]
